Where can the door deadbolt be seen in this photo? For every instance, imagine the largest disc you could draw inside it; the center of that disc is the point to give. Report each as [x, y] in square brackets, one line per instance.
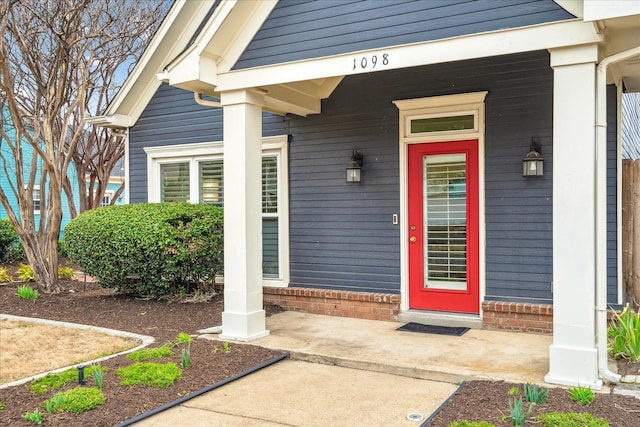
[413, 239]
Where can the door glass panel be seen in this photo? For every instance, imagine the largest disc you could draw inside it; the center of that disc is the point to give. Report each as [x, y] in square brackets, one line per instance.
[445, 221]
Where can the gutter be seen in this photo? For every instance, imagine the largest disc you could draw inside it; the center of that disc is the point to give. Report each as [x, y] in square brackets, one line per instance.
[601, 211]
[204, 102]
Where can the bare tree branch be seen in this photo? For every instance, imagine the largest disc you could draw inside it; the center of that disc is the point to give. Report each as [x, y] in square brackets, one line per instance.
[61, 60]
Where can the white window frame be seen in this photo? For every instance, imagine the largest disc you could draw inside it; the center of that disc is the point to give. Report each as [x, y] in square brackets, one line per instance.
[194, 153]
[108, 194]
[39, 199]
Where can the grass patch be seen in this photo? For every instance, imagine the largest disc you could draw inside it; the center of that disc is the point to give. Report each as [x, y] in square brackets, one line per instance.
[76, 401]
[150, 353]
[57, 380]
[150, 374]
[571, 419]
[34, 417]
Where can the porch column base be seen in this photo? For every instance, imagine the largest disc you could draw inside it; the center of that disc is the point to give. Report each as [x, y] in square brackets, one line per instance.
[243, 326]
[573, 366]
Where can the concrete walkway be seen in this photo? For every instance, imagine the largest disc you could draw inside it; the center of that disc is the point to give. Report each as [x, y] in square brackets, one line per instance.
[365, 373]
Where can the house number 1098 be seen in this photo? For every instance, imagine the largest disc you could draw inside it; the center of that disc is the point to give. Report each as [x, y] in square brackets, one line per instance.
[365, 62]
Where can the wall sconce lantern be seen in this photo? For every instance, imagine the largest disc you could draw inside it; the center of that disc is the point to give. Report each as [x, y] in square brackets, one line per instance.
[533, 162]
[354, 167]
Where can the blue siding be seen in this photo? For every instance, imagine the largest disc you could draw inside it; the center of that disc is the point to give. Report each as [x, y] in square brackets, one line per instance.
[342, 236]
[303, 29]
[8, 178]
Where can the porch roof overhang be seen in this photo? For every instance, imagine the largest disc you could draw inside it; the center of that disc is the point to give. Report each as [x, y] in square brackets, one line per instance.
[199, 57]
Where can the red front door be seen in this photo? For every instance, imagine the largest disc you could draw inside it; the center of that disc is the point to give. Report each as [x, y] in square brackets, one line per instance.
[443, 226]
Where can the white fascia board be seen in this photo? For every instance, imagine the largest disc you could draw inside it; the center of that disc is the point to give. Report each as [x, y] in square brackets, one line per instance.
[113, 121]
[503, 42]
[595, 10]
[171, 37]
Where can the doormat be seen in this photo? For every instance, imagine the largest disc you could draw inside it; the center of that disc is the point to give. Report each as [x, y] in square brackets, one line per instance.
[431, 329]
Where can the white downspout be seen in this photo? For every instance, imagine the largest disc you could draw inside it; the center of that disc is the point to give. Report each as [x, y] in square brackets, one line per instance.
[601, 211]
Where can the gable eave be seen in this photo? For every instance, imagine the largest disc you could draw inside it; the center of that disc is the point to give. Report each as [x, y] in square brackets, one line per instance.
[170, 39]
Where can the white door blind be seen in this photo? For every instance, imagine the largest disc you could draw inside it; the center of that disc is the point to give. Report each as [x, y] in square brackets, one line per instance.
[445, 221]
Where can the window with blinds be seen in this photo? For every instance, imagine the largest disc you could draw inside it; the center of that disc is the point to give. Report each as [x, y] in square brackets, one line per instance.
[210, 179]
[175, 187]
[174, 182]
[445, 221]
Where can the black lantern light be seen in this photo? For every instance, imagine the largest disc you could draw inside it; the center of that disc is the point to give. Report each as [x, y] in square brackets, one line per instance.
[533, 162]
[354, 167]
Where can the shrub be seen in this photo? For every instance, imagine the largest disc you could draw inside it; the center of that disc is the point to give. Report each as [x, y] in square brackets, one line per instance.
[4, 275]
[571, 419]
[8, 238]
[77, 400]
[25, 273]
[150, 374]
[151, 249]
[624, 335]
[65, 273]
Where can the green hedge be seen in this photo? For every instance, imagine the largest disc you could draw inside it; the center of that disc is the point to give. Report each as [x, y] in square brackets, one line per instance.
[151, 249]
[9, 241]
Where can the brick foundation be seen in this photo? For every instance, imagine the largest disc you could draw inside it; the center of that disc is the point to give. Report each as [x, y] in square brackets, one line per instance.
[507, 316]
[517, 317]
[361, 305]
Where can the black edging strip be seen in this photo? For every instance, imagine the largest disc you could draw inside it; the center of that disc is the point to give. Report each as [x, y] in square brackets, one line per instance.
[442, 405]
[203, 390]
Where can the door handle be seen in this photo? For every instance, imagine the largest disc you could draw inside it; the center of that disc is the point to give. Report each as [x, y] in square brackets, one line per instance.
[413, 239]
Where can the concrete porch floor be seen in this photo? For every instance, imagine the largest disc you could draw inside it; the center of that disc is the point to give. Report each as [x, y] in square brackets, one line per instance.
[377, 346]
[364, 373]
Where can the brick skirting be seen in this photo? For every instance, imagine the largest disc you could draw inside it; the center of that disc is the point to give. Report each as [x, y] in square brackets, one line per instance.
[518, 317]
[508, 316]
[361, 305]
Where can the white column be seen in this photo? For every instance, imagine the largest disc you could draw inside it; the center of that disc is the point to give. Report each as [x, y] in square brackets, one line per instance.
[573, 354]
[243, 318]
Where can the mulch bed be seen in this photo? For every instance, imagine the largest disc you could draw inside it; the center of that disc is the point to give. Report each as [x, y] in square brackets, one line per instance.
[162, 320]
[476, 400]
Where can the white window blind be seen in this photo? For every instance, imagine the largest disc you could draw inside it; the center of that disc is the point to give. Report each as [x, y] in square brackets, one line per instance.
[174, 182]
[445, 225]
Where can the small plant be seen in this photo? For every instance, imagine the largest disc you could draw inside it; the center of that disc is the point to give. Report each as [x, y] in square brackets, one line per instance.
[34, 417]
[25, 273]
[185, 360]
[535, 394]
[582, 395]
[465, 423]
[2, 406]
[98, 375]
[571, 419]
[76, 401]
[27, 292]
[4, 275]
[624, 335]
[517, 412]
[226, 347]
[65, 273]
[150, 374]
[150, 353]
[184, 338]
[513, 391]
